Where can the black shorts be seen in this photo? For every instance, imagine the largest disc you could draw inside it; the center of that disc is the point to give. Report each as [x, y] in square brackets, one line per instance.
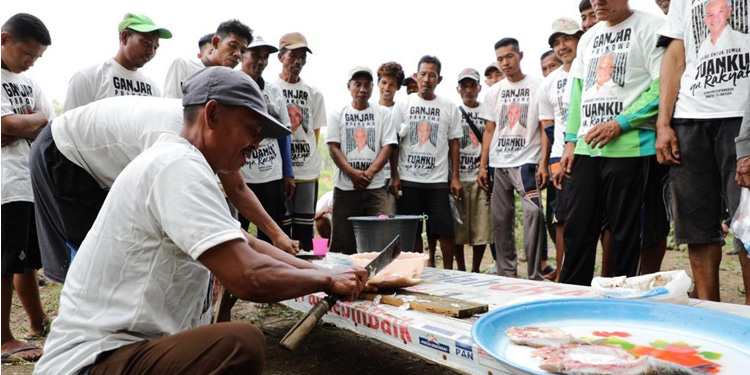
[655, 221]
[67, 201]
[20, 247]
[430, 201]
[562, 197]
[704, 182]
[271, 197]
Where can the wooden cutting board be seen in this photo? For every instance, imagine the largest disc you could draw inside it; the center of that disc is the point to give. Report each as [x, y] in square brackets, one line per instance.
[424, 302]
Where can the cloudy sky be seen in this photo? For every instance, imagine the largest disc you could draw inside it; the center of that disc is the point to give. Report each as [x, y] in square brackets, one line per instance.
[341, 34]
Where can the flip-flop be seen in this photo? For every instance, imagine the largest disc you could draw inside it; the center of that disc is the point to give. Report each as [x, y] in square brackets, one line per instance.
[548, 270]
[38, 337]
[10, 356]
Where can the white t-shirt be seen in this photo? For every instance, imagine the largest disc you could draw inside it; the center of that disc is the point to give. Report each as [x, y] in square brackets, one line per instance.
[346, 126]
[136, 276]
[514, 108]
[178, 71]
[21, 95]
[716, 80]
[387, 167]
[471, 146]
[551, 107]
[423, 151]
[105, 136]
[307, 112]
[106, 80]
[266, 163]
[616, 64]
[325, 201]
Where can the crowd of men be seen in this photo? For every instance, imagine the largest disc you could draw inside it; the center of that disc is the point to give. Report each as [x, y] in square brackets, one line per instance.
[637, 122]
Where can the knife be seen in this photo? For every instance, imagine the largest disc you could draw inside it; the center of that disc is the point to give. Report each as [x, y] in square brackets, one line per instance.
[294, 337]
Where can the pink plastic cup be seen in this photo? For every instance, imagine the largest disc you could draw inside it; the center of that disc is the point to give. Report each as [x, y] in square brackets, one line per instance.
[320, 246]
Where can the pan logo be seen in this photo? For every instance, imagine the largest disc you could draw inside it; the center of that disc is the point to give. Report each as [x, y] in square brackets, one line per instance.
[464, 351]
[432, 342]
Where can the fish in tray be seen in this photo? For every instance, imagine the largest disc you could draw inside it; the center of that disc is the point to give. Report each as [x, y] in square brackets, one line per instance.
[538, 337]
[582, 359]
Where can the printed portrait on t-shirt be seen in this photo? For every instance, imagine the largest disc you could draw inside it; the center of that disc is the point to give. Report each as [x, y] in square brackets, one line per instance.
[470, 141]
[298, 118]
[720, 33]
[471, 147]
[514, 117]
[514, 121]
[424, 136]
[360, 147]
[605, 72]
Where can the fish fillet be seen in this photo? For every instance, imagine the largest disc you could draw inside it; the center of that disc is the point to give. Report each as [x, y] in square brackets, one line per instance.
[538, 337]
[579, 359]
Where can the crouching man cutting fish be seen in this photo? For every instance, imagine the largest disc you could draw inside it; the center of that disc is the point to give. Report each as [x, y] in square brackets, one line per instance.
[136, 298]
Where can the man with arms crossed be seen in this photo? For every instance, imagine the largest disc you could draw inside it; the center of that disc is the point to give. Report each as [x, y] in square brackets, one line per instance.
[25, 112]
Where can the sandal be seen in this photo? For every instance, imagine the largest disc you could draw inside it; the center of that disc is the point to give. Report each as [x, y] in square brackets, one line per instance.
[11, 355]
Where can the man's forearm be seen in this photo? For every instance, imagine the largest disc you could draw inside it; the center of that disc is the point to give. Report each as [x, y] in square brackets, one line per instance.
[285, 148]
[574, 112]
[453, 147]
[23, 126]
[339, 159]
[381, 159]
[672, 68]
[545, 146]
[641, 112]
[394, 162]
[489, 131]
[247, 203]
[278, 254]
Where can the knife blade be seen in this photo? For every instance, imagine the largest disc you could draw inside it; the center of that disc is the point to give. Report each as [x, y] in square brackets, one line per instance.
[294, 337]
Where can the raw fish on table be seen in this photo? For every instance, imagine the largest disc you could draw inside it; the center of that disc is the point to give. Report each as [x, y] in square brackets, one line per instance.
[538, 337]
[581, 359]
[404, 271]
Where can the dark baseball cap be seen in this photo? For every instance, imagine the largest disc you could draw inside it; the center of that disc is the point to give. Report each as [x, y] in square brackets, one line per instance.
[230, 87]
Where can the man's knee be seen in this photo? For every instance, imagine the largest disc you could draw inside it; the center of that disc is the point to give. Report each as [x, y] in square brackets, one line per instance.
[246, 345]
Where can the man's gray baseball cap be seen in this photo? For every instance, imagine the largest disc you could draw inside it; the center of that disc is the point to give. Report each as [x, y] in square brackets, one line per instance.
[230, 87]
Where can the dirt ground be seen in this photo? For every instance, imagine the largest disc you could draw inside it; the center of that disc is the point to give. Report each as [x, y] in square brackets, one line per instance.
[330, 350]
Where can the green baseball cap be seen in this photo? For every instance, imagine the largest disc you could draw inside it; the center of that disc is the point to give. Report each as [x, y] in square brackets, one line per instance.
[143, 24]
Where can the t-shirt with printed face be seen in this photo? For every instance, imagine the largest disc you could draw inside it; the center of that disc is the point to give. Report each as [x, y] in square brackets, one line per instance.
[266, 163]
[307, 112]
[514, 108]
[551, 107]
[387, 167]
[105, 136]
[106, 80]
[361, 135]
[425, 127]
[470, 145]
[616, 65]
[21, 95]
[141, 255]
[716, 80]
[178, 71]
